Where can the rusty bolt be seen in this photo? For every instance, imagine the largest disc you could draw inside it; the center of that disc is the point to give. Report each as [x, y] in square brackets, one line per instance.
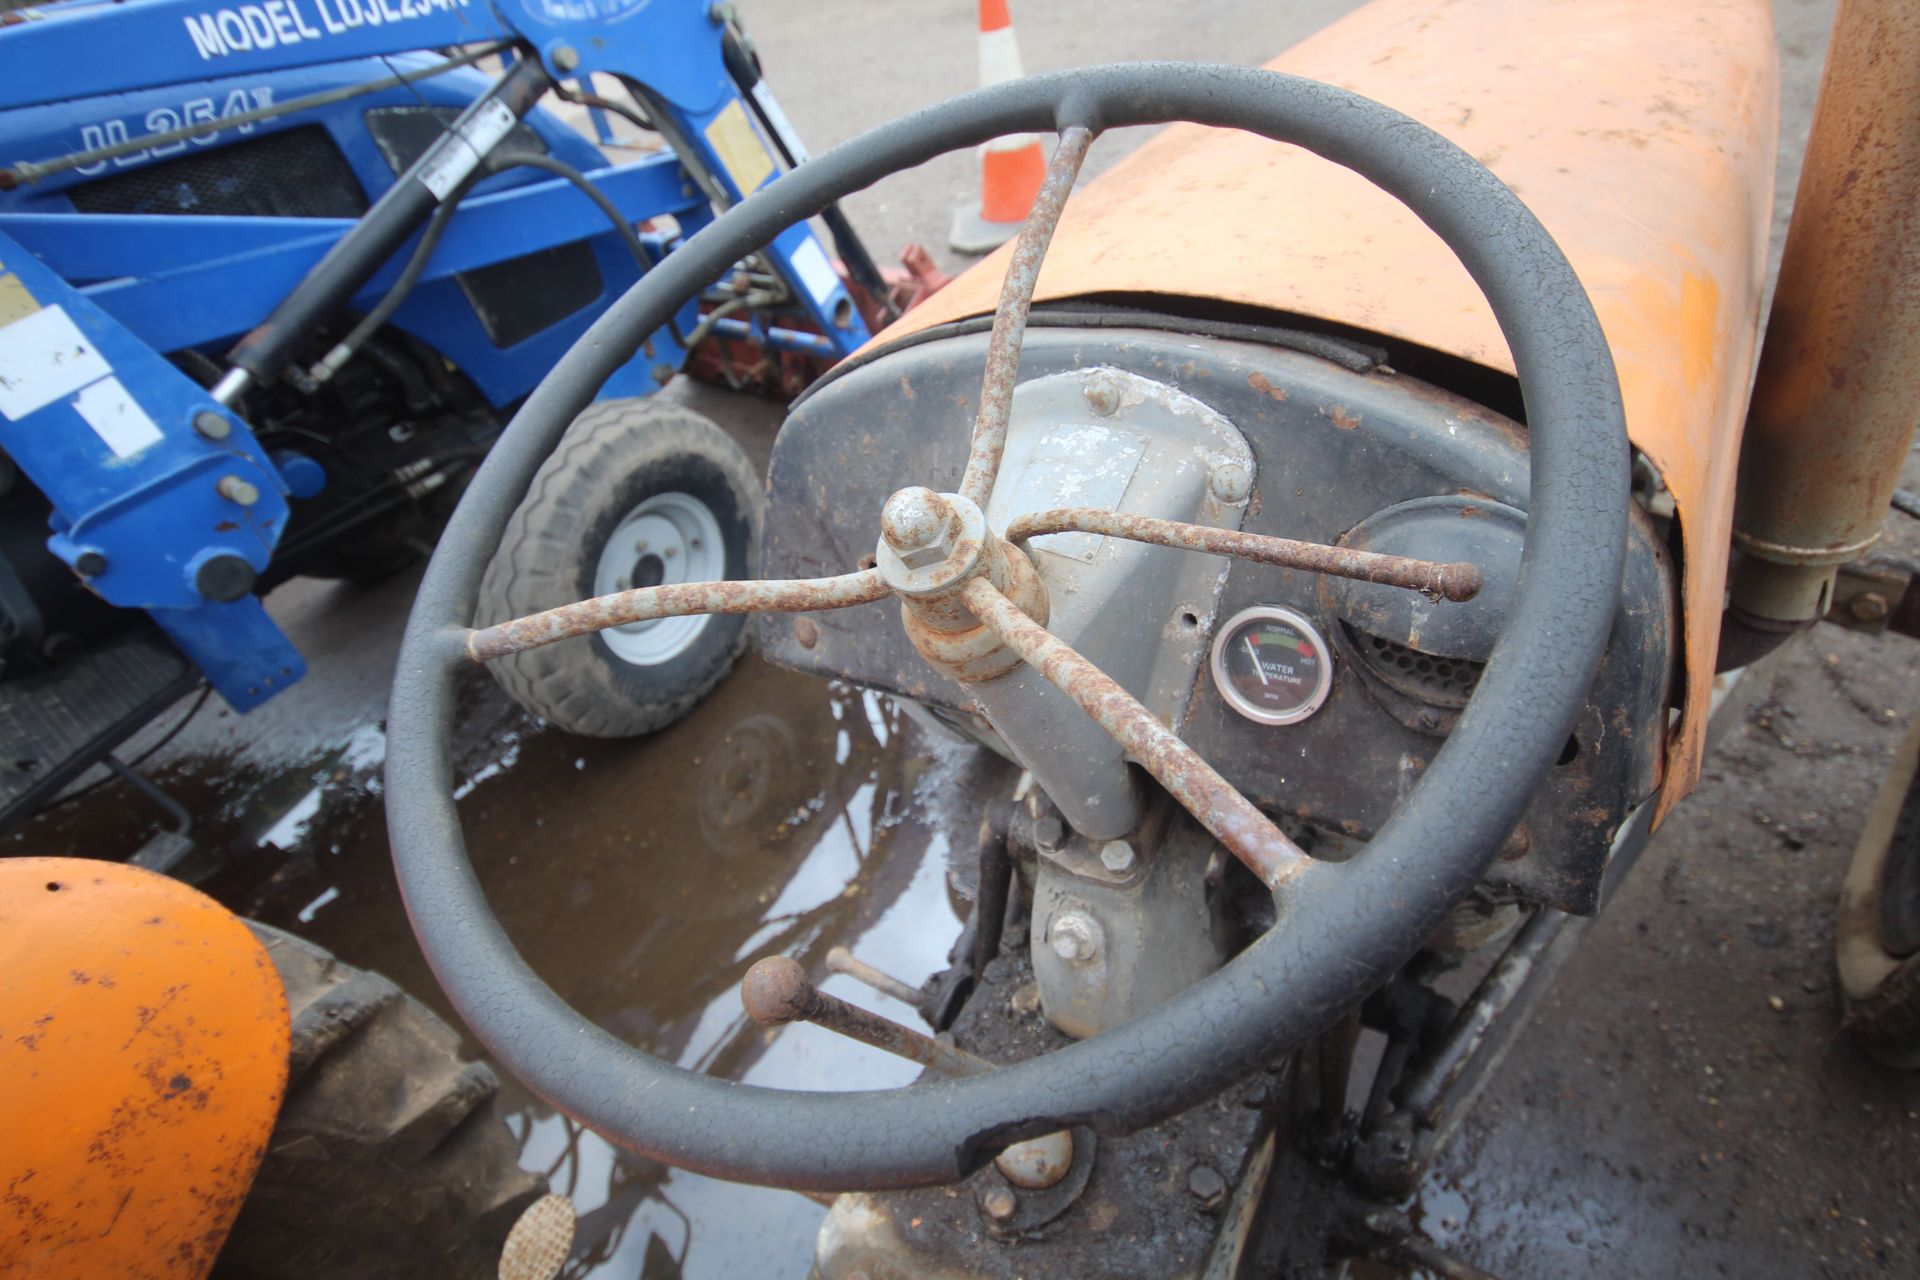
[920, 526]
[999, 1204]
[1103, 397]
[1517, 845]
[1075, 938]
[234, 489]
[1231, 483]
[807, 632]
[1868, 606]
[1207, 1186]
[1117, 857]
[1050, 833]
[211, 425]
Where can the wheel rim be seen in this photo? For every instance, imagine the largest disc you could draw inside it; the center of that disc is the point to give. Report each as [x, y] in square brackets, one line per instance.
[670, 537]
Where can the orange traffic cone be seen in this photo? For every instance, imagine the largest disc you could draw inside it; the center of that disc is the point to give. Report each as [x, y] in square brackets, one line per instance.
[1011, 168]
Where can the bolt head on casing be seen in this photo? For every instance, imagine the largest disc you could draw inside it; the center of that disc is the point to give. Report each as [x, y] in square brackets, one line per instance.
[920, 526]
[1117, 856]
[235, 489]
[1075, 938]
[1869, 606]
[1231, 483]
[1207, 1186]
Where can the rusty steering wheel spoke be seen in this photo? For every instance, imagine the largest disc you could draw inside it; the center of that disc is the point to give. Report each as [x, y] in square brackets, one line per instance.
[674, 600]
[1455, 581]
[1246, 832]
[1010, 318]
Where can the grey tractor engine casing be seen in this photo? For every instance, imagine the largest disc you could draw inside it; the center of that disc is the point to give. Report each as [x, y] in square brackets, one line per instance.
[1332, 449]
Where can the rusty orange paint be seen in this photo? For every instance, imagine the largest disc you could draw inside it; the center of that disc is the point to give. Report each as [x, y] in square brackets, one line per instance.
[1641, 132]
[143, 1054]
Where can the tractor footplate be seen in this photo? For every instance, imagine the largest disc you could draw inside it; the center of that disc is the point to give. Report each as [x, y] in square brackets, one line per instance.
[59, 722]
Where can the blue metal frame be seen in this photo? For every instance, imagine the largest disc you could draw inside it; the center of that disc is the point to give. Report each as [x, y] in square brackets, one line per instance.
[82, 75]
[144, 498]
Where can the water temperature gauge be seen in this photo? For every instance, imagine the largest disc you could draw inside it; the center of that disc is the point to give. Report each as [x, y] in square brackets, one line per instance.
[1271, 666]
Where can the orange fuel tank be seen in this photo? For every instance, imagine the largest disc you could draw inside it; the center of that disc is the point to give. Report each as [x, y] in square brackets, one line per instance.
[143, 1054]
[1641, 132]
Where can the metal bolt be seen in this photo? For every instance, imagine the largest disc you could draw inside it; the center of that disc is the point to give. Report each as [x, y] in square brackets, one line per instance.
[807, 632]
[1232, 483]
[999, 1204]
[566, 57]
[623, 582]
[234, 489]
[1075, 938]
[1208, 1187]
[1050, 833]
[920, 526]
[89, 564]
[1117, 857]
[1868, 606]
[671, 552]
[640, 547]
[1103, 397]
[211, 425]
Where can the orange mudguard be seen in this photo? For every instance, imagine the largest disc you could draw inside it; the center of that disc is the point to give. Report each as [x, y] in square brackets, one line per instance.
[143, 1054]
[1642, 132]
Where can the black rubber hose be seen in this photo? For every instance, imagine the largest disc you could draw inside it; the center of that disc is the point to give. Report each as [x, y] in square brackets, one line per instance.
[1344, 928]
[397, 292]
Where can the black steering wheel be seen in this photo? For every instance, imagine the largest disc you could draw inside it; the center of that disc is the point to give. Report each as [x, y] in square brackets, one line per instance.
[1343, 927]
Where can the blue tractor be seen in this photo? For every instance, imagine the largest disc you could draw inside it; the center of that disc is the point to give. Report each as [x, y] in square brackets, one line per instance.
[274, 275]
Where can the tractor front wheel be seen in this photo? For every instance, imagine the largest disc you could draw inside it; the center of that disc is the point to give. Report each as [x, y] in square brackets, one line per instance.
[639, 493]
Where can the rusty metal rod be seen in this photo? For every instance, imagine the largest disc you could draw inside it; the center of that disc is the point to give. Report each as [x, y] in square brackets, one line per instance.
[675, 600]
[1452, 581]
[1010, 319]
[1246, 832]
[841, 960]
[776, 992]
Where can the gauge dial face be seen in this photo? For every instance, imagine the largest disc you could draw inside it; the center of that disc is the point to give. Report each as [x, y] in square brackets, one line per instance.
[1271, 665]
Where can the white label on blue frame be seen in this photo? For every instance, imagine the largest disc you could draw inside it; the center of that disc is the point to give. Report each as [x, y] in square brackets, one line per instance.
[815, 272]
[117, 418]
[43, 357]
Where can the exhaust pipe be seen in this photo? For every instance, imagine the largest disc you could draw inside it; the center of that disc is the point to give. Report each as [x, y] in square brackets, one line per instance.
[1836, 397]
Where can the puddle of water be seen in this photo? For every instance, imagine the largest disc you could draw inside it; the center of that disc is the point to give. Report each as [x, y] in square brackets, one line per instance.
[640, 880]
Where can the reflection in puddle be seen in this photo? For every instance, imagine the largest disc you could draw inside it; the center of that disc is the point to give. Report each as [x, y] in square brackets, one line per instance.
[788, 818]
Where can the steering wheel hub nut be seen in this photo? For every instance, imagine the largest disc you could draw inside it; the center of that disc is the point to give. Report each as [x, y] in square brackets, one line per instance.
[931, 546]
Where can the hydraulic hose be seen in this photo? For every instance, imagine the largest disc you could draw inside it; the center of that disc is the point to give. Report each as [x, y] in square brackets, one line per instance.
[416, 267]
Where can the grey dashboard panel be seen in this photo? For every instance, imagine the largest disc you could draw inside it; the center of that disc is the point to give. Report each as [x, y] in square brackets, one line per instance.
[1333, 449]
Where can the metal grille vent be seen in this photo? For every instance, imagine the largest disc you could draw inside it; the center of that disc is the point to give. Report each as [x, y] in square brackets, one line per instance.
[1445, 682]
[295, 173]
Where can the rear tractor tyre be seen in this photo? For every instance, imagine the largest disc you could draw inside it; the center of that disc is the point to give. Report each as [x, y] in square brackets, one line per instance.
[1878, 928]
[639, 493]
[390, 1159]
